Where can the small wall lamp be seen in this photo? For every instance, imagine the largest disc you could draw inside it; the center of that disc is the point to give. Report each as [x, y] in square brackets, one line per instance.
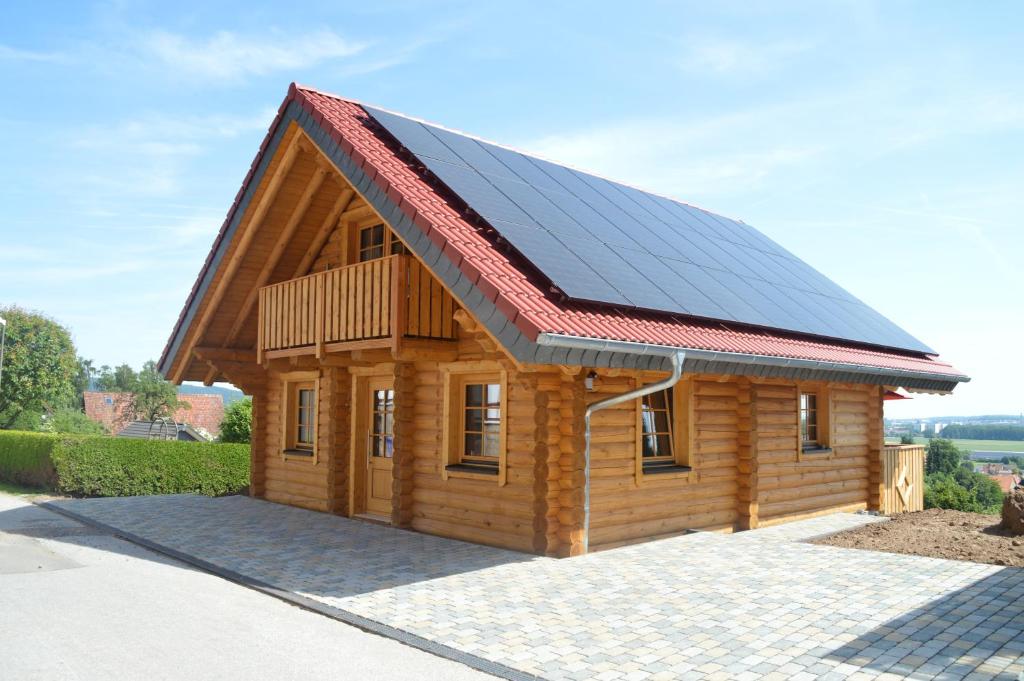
[588, 382]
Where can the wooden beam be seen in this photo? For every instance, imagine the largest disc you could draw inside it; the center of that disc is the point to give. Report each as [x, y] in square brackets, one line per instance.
[465, 320]
[229, 268]
[324, 232]
[228, 354]
[294, 220]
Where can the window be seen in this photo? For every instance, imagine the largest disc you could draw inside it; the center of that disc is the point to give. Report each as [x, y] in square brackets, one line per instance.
[397, 247]
[656, 425]
[476, 422]
[663, 425]
[371, 243]
[378, 240]
[300, 418]
[481, 424]
[813, 422]
[809, 420]
[382, 424]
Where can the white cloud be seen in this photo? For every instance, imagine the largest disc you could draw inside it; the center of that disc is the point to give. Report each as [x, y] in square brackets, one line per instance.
[228, 55]
[719, 56]
[14, 54]
[149, 156]
[688, 156]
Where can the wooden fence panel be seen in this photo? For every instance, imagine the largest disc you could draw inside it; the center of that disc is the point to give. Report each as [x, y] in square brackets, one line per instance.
[903, 479]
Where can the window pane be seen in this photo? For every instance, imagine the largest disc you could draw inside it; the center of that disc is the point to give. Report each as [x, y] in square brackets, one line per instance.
[389, 446]
[493, 395]
[661, 422]
[657, 400]
[397, 247]
[474, 395]
[474, 420]
[474, 446]
[647, 421]
[492, 439]
[650, 445]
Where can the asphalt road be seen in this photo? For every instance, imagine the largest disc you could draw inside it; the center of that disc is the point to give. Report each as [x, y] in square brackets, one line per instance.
[76, 603]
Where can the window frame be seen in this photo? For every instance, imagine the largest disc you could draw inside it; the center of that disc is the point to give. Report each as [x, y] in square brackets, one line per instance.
[455, 463]
[384, 435]
[681, 426]
[822, 444]
[390, 243]
[291, 448]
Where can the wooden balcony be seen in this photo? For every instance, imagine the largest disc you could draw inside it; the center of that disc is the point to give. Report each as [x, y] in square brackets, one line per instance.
[371, 304]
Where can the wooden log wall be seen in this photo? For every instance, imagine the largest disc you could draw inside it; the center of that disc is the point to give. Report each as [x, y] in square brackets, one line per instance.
[793, 485]
[624, 510]
[403, 468]
[565, 537]
[477, 510]
[319, 484]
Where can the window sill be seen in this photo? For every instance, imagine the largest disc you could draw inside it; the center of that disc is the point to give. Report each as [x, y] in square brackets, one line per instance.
[666, 472]
[815, 454]
[462, 470]
[299, 454]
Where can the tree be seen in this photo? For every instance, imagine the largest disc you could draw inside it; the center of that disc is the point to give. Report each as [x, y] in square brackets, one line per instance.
[237, 423]
[70, 420]
[39, 366]
[906, 439]
[943, 456]
[83, 379]
[121, 379]
[152, 395]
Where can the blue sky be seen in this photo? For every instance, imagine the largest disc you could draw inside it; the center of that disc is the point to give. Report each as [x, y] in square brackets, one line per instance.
[881, 142]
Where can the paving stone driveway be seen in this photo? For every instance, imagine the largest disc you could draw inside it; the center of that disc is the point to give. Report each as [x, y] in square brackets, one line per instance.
[758, 604]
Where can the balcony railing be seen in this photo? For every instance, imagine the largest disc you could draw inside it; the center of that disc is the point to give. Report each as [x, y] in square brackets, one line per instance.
[369, 304]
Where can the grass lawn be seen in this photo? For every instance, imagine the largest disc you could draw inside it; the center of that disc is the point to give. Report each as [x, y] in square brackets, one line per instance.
[10, 488]
[984, 445]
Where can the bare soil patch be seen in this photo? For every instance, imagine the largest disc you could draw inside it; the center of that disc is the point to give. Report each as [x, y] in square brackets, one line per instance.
[937, 533]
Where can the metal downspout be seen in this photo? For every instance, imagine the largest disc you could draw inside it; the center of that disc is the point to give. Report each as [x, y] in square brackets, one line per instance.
[677, 358]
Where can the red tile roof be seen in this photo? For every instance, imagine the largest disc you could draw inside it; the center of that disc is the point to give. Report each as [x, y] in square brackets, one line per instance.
[1007, 481]
[514, 288]
[518, 295]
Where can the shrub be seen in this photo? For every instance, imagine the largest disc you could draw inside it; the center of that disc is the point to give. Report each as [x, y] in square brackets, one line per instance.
[942, 491]
[25, 458]
[112, 467]
[237, 423]
[72, 421]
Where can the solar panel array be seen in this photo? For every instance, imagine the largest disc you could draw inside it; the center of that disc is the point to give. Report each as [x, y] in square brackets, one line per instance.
[602, 241]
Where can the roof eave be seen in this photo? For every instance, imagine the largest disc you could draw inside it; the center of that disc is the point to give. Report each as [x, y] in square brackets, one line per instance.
[746, 363]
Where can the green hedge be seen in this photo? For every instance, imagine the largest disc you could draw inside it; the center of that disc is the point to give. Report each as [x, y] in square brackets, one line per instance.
[25, 459]
[101, 466]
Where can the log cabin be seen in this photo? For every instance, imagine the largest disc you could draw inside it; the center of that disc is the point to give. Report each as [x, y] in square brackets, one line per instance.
[454, 337]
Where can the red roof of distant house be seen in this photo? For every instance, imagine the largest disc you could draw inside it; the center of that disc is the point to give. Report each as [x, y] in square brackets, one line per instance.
[111, 410]
[517, 293]
[1006, 481]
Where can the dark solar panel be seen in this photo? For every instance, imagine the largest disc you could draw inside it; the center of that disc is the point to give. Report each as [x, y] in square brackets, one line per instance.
[601, 241]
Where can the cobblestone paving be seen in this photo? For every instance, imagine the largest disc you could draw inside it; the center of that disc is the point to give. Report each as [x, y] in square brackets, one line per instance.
[758, 604]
